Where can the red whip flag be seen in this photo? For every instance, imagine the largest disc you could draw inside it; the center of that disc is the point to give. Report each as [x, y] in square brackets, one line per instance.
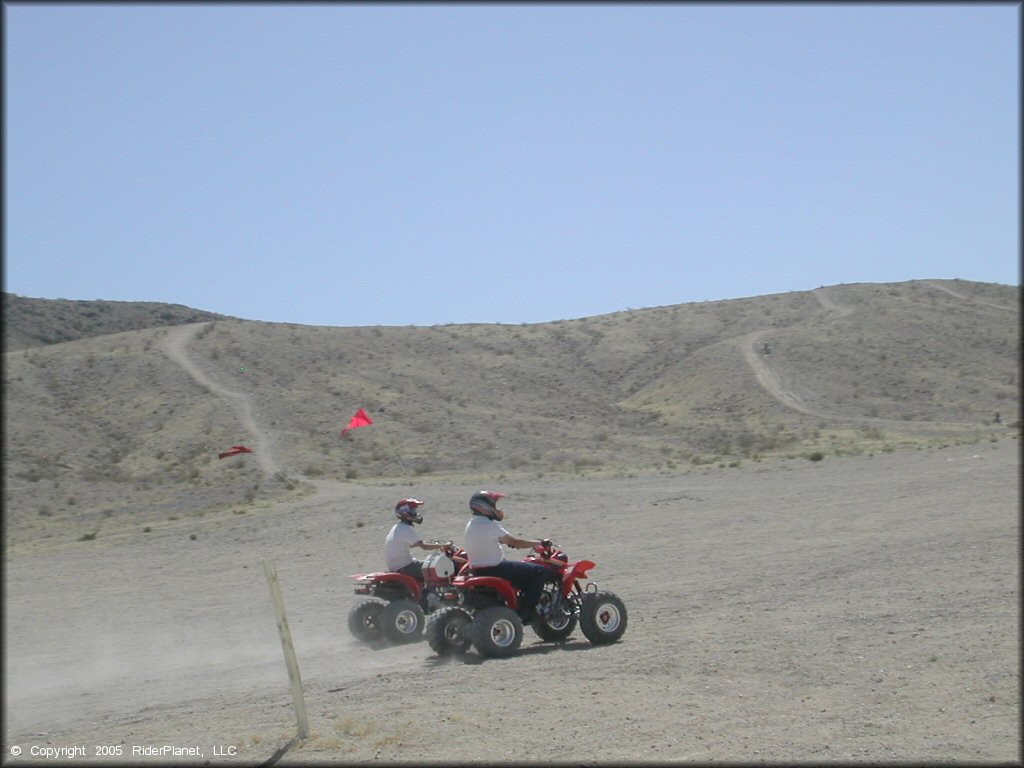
[359, 420]
[235, 450]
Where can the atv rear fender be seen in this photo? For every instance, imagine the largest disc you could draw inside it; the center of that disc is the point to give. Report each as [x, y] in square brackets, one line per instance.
[401, 580]
[504, 588]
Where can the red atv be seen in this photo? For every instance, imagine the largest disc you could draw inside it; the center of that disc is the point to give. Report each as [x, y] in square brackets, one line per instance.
[483, 613]
[400, 602]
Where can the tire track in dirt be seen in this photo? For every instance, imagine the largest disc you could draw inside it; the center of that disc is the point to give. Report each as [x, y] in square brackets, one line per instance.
[769, 378]
[826, 300]
[176, 348]
[772, 382]
[971, 299]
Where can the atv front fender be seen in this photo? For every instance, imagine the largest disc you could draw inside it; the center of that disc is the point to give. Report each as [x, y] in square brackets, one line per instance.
[573, 573]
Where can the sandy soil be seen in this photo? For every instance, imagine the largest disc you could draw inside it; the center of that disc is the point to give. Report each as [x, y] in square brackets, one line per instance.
[853, 609]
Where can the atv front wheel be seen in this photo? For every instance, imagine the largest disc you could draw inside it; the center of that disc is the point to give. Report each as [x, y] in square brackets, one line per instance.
[602, 617]
[364, 620]
[497, 631]
[448, 632]
[402, 621]
[559, 623]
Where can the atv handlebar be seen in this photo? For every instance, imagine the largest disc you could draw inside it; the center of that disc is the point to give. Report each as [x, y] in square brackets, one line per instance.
[547, 548]
[448, 547]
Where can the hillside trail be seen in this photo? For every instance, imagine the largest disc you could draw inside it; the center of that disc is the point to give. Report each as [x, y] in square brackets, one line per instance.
[971, 299]
[176, 348]
[769, 377]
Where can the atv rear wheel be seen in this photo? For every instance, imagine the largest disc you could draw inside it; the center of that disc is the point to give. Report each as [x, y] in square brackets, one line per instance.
[364, 620]
[602, 617]
[497, 631]
[448, 632]
[402, 621]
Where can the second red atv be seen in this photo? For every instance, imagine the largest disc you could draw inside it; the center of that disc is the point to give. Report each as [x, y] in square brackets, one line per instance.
[398, 602]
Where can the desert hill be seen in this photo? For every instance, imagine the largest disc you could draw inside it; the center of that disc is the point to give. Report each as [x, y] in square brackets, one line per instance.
[120, 425]
[37, 322]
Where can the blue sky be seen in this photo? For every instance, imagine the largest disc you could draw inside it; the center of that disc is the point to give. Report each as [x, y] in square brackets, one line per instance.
[346, 164]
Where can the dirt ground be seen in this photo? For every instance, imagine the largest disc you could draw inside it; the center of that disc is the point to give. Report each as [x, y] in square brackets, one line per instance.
[852, 609]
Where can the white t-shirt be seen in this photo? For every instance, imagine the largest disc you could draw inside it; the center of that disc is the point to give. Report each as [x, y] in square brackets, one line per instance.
[397, 544]
[482, 545]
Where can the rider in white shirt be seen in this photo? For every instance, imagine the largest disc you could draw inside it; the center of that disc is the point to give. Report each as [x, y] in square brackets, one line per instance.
[484, 537]
[402, 538]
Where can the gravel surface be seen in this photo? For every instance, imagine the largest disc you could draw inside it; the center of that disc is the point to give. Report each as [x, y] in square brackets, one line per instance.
[852, 609]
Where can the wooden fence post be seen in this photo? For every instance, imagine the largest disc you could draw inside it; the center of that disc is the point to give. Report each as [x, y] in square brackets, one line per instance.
[289, 650]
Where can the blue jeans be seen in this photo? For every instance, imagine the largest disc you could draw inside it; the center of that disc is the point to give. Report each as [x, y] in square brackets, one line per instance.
[530, 578]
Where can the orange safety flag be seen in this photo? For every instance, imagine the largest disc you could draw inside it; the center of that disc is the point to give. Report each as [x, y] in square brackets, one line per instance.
[235, 450]
[359, 420]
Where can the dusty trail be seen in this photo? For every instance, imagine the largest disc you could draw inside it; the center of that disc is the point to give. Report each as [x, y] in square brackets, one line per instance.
[962, 297]
[859, 609]
[825, 299]
[750, 344]
[768, 377]
[176, 348]
[170, 626]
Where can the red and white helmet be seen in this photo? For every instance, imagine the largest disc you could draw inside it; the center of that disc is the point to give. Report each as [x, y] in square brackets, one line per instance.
[486, 503]
[405, 510]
